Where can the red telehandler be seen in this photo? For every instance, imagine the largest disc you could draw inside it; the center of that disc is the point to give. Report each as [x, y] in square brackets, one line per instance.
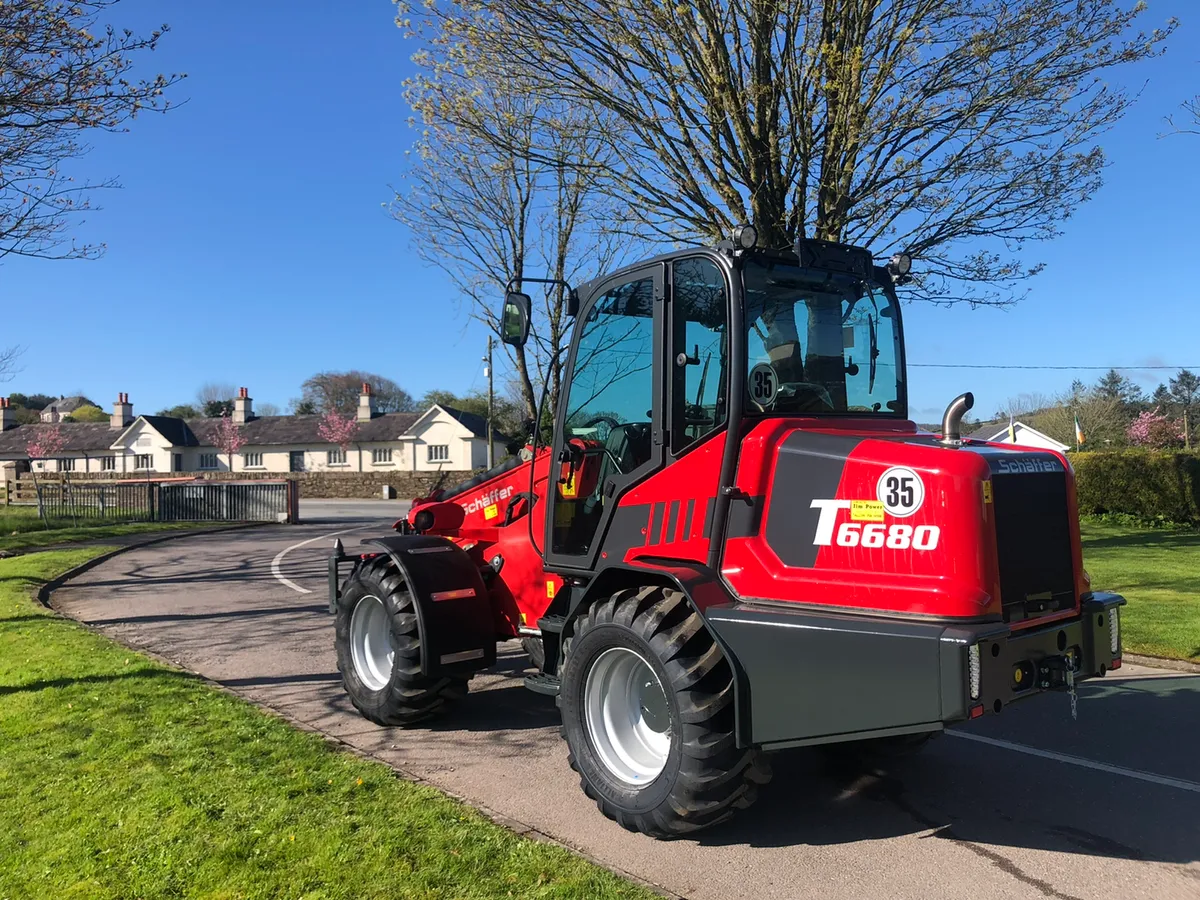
[736, 541]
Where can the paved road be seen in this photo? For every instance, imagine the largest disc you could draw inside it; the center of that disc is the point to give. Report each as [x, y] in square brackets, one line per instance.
[967, 817]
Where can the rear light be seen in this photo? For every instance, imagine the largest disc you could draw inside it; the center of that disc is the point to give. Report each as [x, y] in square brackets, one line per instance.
[1115, 664]
[1114, 631]
[973, 670]
[976, 711]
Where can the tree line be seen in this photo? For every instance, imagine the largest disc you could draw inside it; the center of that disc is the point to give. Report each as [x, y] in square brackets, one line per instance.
[1115, 412]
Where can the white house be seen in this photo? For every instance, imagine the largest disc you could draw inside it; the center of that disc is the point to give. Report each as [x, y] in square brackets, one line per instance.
[1026, 437]
[441, 438]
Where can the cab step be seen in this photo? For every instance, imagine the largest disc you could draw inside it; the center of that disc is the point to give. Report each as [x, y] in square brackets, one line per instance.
[543, 684]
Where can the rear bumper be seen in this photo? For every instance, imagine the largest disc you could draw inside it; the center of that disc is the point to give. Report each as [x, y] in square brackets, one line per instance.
[811, 677]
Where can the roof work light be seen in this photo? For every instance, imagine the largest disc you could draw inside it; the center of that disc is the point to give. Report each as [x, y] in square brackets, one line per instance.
[745, 237]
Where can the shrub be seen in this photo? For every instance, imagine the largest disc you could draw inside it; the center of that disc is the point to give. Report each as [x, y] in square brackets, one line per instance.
[1151, 485]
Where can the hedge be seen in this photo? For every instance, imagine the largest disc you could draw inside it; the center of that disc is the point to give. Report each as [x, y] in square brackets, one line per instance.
[1148, 484]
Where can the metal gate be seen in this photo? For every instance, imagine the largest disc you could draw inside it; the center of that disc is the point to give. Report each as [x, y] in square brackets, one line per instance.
[217, 501]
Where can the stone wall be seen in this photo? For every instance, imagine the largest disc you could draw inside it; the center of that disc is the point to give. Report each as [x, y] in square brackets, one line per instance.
[313, 485]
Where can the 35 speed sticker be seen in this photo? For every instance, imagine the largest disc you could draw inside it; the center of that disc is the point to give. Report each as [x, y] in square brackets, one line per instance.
[901, 491]
[871, 535]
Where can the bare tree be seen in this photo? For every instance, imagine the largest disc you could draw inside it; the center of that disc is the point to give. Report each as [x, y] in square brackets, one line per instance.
[504, 186]
[1192, 108]
[1024, 405]
[62, 73]
[1103, 417]
[340, 391]
[8, 362]
[956, 129]
[215, 392]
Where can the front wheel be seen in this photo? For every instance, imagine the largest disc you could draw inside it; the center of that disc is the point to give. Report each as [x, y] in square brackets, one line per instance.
[379, 650]
[647, 709]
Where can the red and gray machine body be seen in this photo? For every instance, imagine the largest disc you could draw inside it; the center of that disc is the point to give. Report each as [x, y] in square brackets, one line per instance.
[864, 578]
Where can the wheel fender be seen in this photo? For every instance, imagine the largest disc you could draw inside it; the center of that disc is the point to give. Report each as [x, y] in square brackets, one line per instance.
[454, 612]
[700, 586]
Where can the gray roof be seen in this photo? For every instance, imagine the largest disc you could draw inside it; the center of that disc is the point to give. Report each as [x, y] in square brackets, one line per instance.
[174, 430]
[78, 437]
[476, 423]
[268, 430]
[86, 437]
[68, 404]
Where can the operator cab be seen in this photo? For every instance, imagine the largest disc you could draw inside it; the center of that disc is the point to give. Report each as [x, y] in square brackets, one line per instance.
[665, 352]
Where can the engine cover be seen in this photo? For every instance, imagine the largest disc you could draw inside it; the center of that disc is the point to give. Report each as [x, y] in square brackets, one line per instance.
[883, 518]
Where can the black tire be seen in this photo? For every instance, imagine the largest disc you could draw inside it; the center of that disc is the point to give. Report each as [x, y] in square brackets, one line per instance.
[408, 697]
[706, 777]
[535, 650]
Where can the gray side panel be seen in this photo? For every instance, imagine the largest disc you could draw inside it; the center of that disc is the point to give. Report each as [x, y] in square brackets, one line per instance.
[809, 466]
[812, 675]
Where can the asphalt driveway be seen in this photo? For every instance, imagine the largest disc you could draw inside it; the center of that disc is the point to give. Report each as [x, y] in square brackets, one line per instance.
[1026, 804]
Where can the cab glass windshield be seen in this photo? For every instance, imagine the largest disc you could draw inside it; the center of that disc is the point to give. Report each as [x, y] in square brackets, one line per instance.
[819, 342]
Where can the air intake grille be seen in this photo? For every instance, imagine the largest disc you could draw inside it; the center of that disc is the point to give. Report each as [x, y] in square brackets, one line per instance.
[1034, 544]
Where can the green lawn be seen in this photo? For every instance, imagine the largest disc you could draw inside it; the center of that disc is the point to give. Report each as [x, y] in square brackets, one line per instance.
[120, 778]
[1158, 572]
[20, 528]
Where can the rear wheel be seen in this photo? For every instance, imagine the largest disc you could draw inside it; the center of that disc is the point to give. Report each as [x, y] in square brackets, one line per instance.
[379, 650]
[647, 708]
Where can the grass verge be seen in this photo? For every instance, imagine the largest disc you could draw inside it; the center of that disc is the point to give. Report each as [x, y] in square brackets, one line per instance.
[20, 528]
[1158, 572]
[120, 777]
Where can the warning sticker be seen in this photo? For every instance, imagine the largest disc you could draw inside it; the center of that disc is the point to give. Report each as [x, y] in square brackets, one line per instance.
[866, 511]
[550, 589]
[490, 512]
[567, 488]
[987, 492]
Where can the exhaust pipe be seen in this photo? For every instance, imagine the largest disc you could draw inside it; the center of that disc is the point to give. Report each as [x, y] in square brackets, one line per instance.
[952, 420]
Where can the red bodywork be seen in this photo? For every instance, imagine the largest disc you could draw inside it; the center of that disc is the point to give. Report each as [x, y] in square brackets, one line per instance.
[957, 578]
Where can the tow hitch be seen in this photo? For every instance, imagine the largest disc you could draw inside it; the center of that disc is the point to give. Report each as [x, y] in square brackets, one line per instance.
[1059, 671]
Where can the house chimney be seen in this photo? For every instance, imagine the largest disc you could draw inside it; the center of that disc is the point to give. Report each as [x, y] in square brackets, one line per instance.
[8, 419]
[366, 404]
[243, 409]
[122, 413]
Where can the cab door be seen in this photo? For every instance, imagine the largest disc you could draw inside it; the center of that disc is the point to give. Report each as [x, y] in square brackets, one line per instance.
[609, 431]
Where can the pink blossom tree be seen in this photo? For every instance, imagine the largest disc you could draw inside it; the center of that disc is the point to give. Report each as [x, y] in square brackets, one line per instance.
[1153, 429]
[229, 438]
[338, 429]
[45, 443]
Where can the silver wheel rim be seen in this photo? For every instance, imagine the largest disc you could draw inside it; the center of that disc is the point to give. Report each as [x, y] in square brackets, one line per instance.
[627, 716]
[371, 648]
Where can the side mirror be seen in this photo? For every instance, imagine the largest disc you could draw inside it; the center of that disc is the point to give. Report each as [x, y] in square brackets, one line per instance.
[514, 321]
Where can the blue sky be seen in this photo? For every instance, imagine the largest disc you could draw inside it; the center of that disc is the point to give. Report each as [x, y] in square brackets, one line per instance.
[249, 243]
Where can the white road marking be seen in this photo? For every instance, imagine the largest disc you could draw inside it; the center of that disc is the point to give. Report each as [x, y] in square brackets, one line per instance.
[275, 563]
[1178, 783]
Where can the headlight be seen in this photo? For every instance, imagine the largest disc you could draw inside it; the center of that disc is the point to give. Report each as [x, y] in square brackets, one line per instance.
[1114, 631]
[973, 670]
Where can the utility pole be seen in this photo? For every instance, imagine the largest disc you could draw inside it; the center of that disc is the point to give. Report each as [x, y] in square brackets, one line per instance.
[488, 371]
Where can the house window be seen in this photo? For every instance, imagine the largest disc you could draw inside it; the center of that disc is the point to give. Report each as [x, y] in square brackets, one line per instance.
[143, 461]
[66, 465]
[108, 463]
[252, 460]
[144, 441]
[336, 458]
[439, 452]
[381, 456]
[208, 460]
